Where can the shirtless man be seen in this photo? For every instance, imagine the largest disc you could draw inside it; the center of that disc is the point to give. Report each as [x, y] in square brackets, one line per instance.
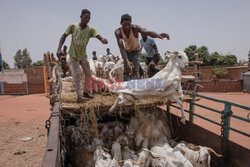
[131, 51]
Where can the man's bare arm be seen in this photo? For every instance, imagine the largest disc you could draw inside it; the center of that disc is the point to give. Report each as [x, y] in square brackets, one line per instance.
[122, 48]
[151, 33]
[121, 45]
[61, 42]
[103, 40]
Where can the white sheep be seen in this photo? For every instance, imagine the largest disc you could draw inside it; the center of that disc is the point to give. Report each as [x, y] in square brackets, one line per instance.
[161, 85]
[199, 156]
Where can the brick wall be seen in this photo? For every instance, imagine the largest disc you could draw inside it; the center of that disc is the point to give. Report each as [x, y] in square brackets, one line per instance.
[229, 86]
[207, 86]
[34, 74]
[21, 88]
[205, 72]
[235, 73]
[35, 82]
[15, 88]
[221, 86]
[36, 88]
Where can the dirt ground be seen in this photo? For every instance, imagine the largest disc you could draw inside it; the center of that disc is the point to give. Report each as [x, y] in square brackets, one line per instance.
[23, 116]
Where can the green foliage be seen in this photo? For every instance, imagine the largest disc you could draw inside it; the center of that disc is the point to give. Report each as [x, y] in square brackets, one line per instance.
[22, 59]
[143, 57]
[5, 65]
[249, 56]
[190, 51]
[220, 73]
[38, 63]
[208, 59]
[162, 62]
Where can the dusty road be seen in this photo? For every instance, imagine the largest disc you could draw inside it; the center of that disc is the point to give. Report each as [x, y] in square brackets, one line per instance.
[23, 116]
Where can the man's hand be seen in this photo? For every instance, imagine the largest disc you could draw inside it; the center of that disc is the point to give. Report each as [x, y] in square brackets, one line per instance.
[157, 54]
[59, 53]
[130, 65]
[164, 35]
[104, 41]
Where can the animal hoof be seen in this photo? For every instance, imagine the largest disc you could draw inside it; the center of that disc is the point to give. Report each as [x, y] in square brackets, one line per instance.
[183, 120]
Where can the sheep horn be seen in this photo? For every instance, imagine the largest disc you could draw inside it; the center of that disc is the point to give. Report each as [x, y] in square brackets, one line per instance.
[175, 52]
[152, 154]
[193, 147]
[212, 150]
[168, 52]
[105, 149]
[103, 154]
[136, 163]
[120, 161]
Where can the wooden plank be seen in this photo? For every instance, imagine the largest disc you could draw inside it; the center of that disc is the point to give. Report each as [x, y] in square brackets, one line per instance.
[52, 153]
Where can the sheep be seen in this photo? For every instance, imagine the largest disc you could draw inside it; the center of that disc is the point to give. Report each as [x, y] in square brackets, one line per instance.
[128, 163]
[127, 153]
[167, 80]
[117, 71]
[199, 156]
[101, 158]
[116, 150]
[168, 157]
[110, 131]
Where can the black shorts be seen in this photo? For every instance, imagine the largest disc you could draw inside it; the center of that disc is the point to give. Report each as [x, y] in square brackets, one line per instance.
[148, 60]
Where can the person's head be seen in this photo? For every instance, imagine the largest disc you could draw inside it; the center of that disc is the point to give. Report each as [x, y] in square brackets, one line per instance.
[126, 22]
[64, 47]
[108, 50]
[94, 53]
[85, 16]
[144, 37]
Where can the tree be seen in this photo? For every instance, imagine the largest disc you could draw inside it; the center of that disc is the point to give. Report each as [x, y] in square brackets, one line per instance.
[5, 65]
[208, 59]
[229, 60]
[249, 56]
[22, 59]
[190, 51]
[204, 55]
[202, 51]
[215, 57]
[38, 63]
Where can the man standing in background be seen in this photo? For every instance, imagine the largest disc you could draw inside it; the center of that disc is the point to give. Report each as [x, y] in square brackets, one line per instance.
[94, 55]
[150, 47]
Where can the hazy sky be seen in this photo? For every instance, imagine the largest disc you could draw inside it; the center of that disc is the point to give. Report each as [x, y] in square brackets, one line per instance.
[221, 25]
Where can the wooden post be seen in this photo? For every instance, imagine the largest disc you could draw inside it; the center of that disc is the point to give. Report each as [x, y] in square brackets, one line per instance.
[45, 80]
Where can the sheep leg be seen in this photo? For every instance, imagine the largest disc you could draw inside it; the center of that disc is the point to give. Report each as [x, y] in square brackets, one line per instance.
[174, 98]
[180, 92]
[119, 98]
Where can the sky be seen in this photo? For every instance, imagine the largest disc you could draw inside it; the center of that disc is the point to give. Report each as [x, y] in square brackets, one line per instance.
[221, 25]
